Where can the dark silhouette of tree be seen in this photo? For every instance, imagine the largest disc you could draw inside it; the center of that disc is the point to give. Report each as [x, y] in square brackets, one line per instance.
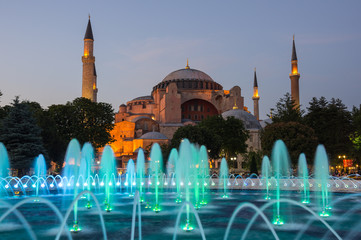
[332, 125]
[298, 138]
[287, 111]
[22, 137]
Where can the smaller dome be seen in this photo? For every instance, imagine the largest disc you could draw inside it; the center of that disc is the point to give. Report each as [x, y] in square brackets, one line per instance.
[249, 121]
[153, 135]
[123, 105]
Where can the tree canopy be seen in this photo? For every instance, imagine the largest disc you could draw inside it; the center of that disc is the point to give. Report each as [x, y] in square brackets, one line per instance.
[84, 120]
[298, 138]
[199, 135]
[232, 133]
[287, 110]
[332, 124]
[22, 136]
[222, 137]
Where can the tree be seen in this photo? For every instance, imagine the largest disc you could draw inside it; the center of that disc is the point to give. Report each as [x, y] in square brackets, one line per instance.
[287, 110]
[253, 166]
[253, 161]
[84, 120]
[355, 137]
[298, 138]
[332, 124]
[21, 136]
[231, 132]
[2, 110]
[54, 143]
[199, 135]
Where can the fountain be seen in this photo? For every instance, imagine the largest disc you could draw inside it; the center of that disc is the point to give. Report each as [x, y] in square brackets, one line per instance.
[266, 173]
[189, 171]
[87, 161]
[4, 161]
[71, 171]
[107, 173]
[303, 175]
[130, 178]
[140, 174]
[321, 180]
[223, 177]
[156, 166]
[280, 167]
[203, 173]
[40, 172]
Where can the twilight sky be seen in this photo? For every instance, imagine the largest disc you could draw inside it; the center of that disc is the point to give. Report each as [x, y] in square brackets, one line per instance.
[138, 44]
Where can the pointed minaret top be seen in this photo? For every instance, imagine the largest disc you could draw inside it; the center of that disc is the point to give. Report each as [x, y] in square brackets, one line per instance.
[294, 55]
[89, 32]
[255, 84]
[187, 67]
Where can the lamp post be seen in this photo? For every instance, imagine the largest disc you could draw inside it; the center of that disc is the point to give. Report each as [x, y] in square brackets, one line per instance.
[234, 163]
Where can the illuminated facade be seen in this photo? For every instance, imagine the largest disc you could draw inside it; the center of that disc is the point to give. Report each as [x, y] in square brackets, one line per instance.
[185, 96]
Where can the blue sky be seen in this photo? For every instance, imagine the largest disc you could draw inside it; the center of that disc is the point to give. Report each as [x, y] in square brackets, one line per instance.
[138, 43]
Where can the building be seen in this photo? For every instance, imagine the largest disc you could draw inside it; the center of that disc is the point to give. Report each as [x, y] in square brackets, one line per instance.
[185, 96]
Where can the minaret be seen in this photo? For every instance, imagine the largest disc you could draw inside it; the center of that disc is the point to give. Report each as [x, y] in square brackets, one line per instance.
[295, 76]
[89, 87]
[255, 96]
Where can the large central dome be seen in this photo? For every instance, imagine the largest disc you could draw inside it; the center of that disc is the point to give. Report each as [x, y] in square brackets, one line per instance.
[189, 79]
[187, 74]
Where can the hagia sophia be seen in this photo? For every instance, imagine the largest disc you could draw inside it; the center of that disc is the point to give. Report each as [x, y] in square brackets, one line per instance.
[185, 96]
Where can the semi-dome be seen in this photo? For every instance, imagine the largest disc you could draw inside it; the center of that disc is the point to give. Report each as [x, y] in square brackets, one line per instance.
[249, 121]
[187, 74]
[143, 98]
[153, 135]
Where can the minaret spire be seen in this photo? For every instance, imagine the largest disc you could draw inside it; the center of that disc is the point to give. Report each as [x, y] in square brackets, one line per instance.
[89, 31]
[89, 86]
[294, 75]
[255, 97]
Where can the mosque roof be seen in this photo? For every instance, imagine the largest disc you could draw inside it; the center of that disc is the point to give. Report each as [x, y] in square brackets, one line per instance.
[249, 120]
[187, 74]
[153, 135]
